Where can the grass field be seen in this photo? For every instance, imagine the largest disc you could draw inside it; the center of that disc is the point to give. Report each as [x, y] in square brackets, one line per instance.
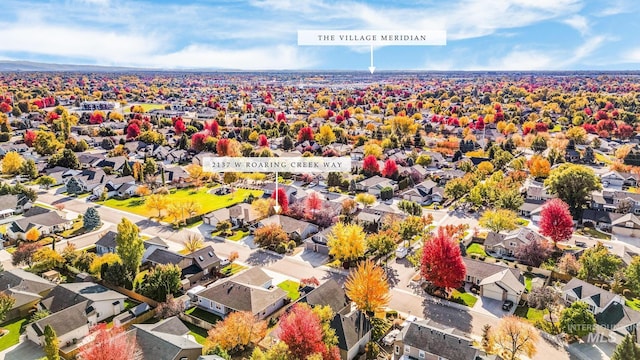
[291, 287]
[146, 107]
[527, 283]
[76, 229]
[594, 233]
[238, 235]
[13, 336]
[232, 269]
[203, 315]
[476, 249]
[530, 314]
[208, 202]
[467, 298]
[634, 304]
[199, 334]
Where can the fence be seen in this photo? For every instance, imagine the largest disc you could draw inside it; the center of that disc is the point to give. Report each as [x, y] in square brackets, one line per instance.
[130, 293]
[196, 321]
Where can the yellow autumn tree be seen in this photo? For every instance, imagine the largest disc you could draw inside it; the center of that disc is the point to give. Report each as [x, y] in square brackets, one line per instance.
[108, 258]
[11, 163]
[347, 242]
[32, 235]
[372, 149]
[367, 286]
[514, 337]
[236, 332]
[157, 202]
[264, 207]
[539, 166]
[325, 135]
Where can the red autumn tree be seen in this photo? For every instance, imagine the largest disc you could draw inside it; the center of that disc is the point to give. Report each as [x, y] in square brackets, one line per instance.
[29, 137]
[281, 117]
[263, 141]
[390, 169]
[591, 129]
[442, 263]
[370, 165]
[97, 117]
[133, 130]
[624, 131]
[556, 221]
[5, 108]
[301, 330]
[213, 128]
[179, 126]
[283, 200]
[197, 140]
[305, 134]
[223, 147]
[541, 127]
[312, 203]
[110, 344]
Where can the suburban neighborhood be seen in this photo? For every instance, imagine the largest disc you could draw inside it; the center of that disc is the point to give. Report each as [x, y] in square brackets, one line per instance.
[483, 217]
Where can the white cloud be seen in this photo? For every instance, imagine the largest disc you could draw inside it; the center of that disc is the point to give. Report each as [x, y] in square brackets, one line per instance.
[579, 23]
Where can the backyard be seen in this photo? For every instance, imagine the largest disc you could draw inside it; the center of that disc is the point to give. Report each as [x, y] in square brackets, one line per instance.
[207, 202]
[530, 314]
[587, 231]
[198, 333]
[476, 249]
[203, 315]
[232, 269]
[291, 287]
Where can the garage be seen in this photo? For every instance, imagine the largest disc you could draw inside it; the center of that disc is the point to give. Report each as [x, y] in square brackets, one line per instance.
[492, 291]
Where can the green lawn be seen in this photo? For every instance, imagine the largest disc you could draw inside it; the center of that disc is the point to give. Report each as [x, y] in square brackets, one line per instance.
[231, 269]
[603, 158]
[594, 233]
[12, 338]
[208, 202]
[467, 298]
[556, 128]
[527, 283]
[199, 334]
[634, 304]
[76, 229]
[476, 249]
[238, 235]
[522, 222]
[45, 206]
[146, 107]
[291, 287]
[128, 304]
[203, 315]
[530, 314]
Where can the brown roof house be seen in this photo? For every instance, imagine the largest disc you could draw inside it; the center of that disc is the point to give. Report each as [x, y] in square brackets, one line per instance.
[49, 222]
[506, 244]
[251, 290]
[296, 229]
[495, 281]
[26, 288]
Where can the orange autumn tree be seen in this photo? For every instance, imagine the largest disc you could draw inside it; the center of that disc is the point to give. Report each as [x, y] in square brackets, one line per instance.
[32, 235]
[236, 332]
[367, 286]
[514, 337]
[539, 166]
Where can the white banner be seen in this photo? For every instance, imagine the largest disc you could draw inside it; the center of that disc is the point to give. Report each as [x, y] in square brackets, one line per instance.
[302, 165]
[372, 37]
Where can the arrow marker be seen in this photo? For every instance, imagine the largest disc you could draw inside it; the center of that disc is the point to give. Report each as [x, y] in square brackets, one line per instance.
[372, 68]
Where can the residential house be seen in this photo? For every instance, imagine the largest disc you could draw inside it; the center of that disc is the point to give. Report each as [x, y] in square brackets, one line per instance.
[251, 290]
[371, 218]
[318, 242]
[46, 223]
[375, 184]
[611, 200]
[427, 340]
[270, 188]
[26, 288]
[71, 325]
[534, 190]
[204, 263]
[612, 315]
[506, 244]
[626, 225]
[101, 303]
[296, 229]
[352, 327]
[618, 180]
[107, 244]
[89, 179]
[599, 219]
[168, 339]
[494, 280]
[11, 205]
[239, 215]
[531, 208]
[423, 193]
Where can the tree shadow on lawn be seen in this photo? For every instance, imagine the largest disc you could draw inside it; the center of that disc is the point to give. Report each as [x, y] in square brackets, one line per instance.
[445, 315]
[135, 203]
[262, 258]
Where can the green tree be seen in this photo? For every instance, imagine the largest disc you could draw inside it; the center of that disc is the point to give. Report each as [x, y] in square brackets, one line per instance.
[51, 343]
[46, 143]
[410, 207]
[457, 188]
[73, 186]
[6, 303]
[65, 158]
[598, 263]
[45, 181]
[627, 350]
[577, 319]
[632, 273]
[129, 246]
[510, 200]
[383, 243]
[499, 220]
[91, 219]
[162, 281]
[29, 169]
[150, 167]
[573, 184]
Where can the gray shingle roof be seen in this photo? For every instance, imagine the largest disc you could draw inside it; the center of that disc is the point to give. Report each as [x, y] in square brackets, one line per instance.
[64, 321]
[435, 339]
[164, 340]
[583, 290]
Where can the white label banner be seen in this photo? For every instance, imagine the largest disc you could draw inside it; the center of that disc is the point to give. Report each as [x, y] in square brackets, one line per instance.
[312, 164]
[372, 37]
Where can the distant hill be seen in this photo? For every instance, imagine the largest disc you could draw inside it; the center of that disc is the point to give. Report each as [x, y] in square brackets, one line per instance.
[9, 65]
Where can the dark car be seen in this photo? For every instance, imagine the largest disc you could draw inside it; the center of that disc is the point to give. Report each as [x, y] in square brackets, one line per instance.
[507, 305]
[581, 244]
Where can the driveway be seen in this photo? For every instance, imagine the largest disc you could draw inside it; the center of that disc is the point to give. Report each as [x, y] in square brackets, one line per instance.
[591, 351]
[491, 307]
[315, 259]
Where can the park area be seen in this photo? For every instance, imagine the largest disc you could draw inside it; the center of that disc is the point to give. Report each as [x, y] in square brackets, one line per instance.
[207, 202]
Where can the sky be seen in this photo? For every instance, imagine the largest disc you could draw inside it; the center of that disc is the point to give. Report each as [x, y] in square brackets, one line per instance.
[262, 34]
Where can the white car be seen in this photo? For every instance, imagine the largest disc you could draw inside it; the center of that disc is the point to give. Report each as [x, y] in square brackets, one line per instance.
[390, 337]
[401, 252]
[224, 262]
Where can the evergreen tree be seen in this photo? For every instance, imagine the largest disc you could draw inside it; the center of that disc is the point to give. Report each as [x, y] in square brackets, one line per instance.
[150, 167]
[73, 187]
[183, 143]
[91, 219]
[51, 343]
[627, 350]
[29, 169]
[126, 169]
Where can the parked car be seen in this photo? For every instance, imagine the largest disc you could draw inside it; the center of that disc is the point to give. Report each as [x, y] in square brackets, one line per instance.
[390, 337]
[507, 305]
[581, 244]
[224, 262]
[401, 252]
